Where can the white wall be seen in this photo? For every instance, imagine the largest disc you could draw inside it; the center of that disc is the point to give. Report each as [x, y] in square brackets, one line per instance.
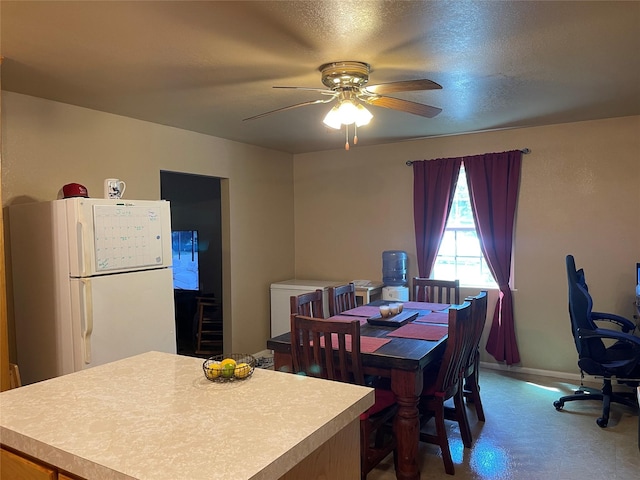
[579, 194]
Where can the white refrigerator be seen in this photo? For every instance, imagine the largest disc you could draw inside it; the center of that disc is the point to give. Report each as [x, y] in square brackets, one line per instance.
[92, 283]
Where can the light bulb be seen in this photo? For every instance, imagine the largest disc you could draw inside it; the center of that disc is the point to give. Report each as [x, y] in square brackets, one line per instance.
[348, 112]
[332, 119]
[363, 116]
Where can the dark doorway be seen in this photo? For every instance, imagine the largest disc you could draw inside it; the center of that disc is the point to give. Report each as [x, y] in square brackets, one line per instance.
[195, 215]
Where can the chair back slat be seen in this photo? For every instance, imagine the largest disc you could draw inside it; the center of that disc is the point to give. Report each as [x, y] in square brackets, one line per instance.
[326, 349]
[437, 291]
[308, 304]
[341, 298]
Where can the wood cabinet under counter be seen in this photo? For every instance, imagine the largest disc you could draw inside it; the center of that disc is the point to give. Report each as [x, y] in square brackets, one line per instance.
[14, 466]
[155, 416]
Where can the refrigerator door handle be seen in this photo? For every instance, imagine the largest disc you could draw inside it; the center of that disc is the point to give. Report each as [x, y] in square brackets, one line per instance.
[87, 320]
[80, 227]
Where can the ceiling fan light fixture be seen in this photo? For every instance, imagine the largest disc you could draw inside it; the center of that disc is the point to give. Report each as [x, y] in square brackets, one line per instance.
[332, 119]
[347, 113]
[347, 84]
[363, 116]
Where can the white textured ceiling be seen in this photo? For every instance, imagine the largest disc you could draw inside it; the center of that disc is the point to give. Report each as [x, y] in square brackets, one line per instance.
[204, 66]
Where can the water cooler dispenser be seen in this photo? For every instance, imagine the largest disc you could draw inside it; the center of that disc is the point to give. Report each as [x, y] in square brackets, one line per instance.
[394, 276]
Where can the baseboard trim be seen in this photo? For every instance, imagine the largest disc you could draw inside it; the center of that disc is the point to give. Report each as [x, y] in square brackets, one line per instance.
[263, 353]
[575, 377]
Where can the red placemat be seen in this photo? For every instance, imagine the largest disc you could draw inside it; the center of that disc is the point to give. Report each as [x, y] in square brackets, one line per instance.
[371, 344]
[346, 318]
[426, 306]
[367, 344]
[363, 311]
[420, 331]
[434, 317]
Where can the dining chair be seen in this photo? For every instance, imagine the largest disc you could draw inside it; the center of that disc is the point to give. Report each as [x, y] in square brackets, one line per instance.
[471, 386]
[308, 304]
[437, 291]
[443, 381]
[341, 298]
[331, 350]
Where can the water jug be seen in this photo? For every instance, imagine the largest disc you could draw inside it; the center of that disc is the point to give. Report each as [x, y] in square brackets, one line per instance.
[394, 268]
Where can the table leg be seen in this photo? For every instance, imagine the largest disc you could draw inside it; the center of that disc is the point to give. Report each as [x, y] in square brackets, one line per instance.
[282, 362]
[407, 386]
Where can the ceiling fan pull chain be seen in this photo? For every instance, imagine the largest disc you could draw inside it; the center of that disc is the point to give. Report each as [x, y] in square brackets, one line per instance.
[355, 133]
[346, 132]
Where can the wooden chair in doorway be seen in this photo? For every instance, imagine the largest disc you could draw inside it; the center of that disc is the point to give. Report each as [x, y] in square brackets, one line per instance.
[341, 298]
[209, 334]
[331, 350]
[436, 291]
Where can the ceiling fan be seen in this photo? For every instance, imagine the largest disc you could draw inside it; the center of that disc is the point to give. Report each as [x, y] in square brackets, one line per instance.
[346, 82]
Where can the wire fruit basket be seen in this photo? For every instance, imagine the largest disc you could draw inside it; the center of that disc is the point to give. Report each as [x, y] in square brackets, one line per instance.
[229, 367]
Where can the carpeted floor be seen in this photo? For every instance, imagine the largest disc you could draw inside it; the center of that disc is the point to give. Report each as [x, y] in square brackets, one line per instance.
[524, 437]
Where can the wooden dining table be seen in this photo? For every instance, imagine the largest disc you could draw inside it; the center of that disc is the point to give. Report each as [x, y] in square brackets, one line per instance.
[402, 360]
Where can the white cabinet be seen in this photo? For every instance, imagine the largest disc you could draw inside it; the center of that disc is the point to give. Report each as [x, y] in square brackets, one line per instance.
[281, 293]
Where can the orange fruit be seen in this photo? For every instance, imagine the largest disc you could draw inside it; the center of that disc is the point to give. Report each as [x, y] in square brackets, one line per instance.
[228, 361]
[228, 366]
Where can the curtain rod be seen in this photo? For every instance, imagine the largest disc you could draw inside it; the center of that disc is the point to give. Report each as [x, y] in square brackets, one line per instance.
[524, 151]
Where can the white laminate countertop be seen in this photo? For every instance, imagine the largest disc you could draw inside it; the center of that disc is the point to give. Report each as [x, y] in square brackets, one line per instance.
[155, 416]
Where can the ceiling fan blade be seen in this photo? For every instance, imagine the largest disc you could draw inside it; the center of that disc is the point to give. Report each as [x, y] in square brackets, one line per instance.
[312, 102]
[405, 106]
[404, 86]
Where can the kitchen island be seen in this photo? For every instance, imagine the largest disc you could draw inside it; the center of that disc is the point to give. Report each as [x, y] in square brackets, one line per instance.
[155, 416]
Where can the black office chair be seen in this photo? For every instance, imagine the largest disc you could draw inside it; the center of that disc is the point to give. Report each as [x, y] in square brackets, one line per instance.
[620, 360]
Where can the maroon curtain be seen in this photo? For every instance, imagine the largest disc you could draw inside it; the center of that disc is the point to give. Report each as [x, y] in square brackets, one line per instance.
[494, 180]
[434, 183]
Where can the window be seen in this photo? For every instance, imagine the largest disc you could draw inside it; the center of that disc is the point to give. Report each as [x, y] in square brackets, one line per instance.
[460, 255]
